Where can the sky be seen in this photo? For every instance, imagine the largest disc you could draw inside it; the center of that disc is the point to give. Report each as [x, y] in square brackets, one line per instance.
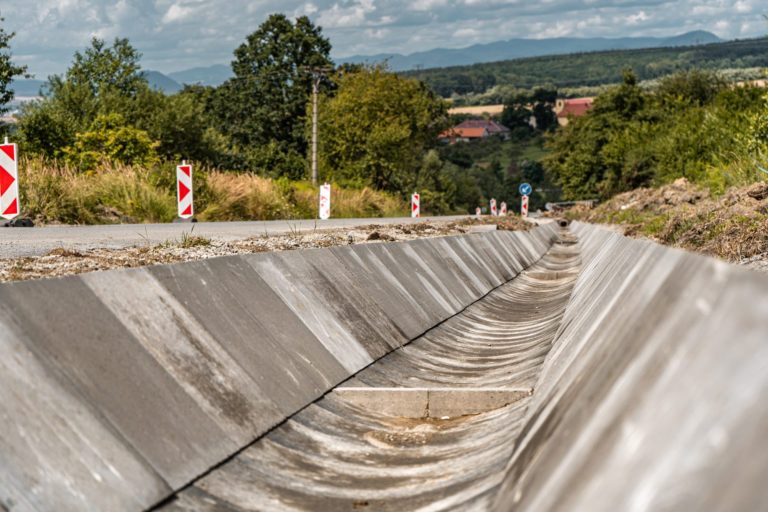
[174, 35]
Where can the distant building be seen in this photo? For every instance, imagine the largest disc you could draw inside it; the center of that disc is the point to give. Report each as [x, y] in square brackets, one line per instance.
[575, 107]
[472, 129]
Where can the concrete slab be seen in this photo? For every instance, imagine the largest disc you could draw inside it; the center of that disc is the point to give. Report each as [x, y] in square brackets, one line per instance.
[57, 453]
[252, 323]
[423, 269]
[474, 285]
[411, 279]
[477, 262]
[437, 402]
[97, 358]
[441, 262]
[209, 374]
[311, 310]
[323, 274]
[385, 289]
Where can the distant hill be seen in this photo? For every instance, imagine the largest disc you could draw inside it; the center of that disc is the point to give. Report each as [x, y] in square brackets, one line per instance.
[593, 68]
[211, 75]
[31, 87]
[521, 48]
[162, 82]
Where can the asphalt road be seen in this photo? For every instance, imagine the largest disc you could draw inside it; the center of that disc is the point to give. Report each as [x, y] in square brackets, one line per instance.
[22, 242]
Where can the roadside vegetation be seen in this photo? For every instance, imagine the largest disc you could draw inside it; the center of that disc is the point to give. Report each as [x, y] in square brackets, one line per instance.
[733, 226]
[117, 193]
[695, 126]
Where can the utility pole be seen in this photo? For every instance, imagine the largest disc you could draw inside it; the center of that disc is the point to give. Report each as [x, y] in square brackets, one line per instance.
[317, 76]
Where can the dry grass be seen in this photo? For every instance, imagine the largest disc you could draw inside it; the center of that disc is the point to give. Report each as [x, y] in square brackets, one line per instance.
[733, 227]
[52, 192]
[244, 197]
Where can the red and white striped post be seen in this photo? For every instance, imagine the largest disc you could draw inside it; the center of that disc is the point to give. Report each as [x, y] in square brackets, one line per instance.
[503, 210]
[9, 180]
[478, 211]
[184, 189]
[524, 206]
[325, 201]
[415, 205]
[493, 207]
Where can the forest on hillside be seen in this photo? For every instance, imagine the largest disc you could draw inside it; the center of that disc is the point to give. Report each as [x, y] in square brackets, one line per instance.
[590, 69]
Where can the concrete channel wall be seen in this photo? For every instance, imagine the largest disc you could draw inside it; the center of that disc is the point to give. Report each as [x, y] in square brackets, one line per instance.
[653, 396]
[120, 387]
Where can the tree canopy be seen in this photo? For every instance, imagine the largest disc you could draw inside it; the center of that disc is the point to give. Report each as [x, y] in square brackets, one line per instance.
[375, 127]
[264, 104]
[632, 138]
[8, 70]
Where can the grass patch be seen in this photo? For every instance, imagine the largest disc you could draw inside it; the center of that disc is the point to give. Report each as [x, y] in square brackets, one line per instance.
[55, 192]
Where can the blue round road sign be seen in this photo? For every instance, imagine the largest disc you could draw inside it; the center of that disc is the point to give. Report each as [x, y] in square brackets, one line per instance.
[525, 189]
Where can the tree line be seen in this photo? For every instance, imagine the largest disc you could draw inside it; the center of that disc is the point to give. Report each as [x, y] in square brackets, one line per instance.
[695, 125]
[592, 68]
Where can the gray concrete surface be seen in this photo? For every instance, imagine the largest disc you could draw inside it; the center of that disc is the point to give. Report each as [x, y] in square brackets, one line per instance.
[21, 242]
[438, 403]
[121, 387]
[428, 427]
[653, 395]
[205, 385]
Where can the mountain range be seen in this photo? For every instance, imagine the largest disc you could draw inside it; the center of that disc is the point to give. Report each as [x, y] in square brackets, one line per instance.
[440, 57]
[521, 48]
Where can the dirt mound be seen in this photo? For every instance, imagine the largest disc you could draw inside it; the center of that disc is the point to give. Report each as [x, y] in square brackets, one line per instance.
[733, 227]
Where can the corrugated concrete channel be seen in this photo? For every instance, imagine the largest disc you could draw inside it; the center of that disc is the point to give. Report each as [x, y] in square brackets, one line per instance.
[119, 388]
[421, 427]
[551, 370]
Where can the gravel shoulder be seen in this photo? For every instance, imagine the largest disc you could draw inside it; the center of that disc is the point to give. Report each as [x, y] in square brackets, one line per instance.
[189, 245]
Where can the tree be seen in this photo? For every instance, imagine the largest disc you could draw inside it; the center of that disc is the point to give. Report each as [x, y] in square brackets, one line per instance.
[100, 81]
[105, 80]
[8, 70]
[103, 70]
[109, 139]
[604, 152]
[523, 106]
[376, 128]
[266, 100]
[699, 87]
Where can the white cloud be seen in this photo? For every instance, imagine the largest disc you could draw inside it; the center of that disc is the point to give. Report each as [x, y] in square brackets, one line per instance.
[635, 19]
[178, 12]
[178, 34]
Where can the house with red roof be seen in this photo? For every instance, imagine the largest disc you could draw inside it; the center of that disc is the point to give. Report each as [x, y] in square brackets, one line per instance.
[473, 129]
[573, 107]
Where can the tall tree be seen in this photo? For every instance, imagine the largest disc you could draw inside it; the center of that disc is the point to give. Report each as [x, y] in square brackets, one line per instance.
[101, 80]
[8, 70]
[377, 126]
[265, 102]
[107, 81]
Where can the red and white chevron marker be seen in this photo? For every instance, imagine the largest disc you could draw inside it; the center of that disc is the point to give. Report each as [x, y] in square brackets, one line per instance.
[493, 207]
[325, 201]
[503, 210]
[524, 207]
[184, 189]
[9, 181]
[478, 211]
[415, 206]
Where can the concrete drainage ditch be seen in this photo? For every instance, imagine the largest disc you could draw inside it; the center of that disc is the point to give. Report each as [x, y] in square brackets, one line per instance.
[431, 425]
[567, 368]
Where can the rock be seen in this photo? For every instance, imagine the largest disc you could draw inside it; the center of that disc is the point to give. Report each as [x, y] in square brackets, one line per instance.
[758, 190]
[19, 222]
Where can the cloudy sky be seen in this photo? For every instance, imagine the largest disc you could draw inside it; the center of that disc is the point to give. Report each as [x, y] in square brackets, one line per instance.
[174, 35]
